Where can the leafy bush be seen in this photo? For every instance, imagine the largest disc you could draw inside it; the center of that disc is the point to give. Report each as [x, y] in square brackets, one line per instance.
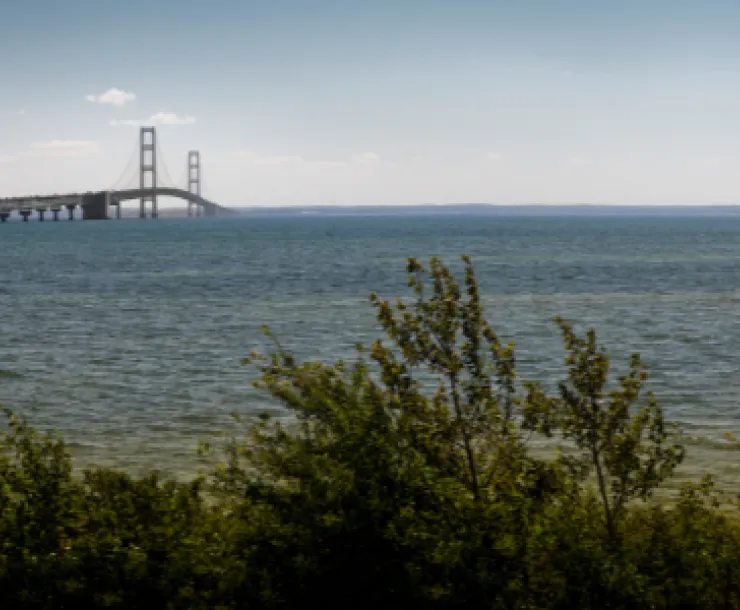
[406, 480]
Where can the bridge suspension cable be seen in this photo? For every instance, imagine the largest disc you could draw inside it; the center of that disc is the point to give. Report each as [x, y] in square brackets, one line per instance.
[183, 181]
[163, 174]
[147, 162]
[129, 178]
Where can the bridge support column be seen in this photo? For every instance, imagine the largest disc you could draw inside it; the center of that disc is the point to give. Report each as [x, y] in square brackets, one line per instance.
[41, 215]
[55, 215]
[71, 211]
[148, 169]
[94, 206]
[25, 214]
[118, 211]
[194, 180]
[4, 217]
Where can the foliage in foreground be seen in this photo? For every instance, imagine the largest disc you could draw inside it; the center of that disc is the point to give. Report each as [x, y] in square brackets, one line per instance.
[387, 492]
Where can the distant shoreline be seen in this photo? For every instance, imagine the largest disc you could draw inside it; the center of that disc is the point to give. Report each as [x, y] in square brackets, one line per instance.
[459, 210]
[493, 210]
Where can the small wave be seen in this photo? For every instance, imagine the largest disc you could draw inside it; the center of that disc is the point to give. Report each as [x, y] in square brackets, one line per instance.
[711, 443]
[9, 374]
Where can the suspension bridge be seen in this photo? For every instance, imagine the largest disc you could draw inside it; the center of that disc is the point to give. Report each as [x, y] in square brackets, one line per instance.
[146, 178]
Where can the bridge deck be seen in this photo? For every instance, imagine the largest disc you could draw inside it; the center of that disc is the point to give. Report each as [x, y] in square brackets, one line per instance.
[45, 202]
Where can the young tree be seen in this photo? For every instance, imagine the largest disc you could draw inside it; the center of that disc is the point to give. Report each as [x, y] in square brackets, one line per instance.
[411, 466]
[404, 452]
[630, 450]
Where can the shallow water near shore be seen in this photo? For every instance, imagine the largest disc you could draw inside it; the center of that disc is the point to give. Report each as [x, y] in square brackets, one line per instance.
[126, 336]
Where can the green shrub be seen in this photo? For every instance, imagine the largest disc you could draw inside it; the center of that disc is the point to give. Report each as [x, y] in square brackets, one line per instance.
[405, 480]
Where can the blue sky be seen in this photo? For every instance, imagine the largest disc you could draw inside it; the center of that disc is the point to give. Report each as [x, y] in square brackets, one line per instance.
[387, 102]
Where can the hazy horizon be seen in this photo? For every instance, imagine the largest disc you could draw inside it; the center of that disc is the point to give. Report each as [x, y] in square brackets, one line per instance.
[131, 210]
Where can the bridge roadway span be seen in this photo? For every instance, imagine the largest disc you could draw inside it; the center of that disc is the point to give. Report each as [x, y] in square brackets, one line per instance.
[209, 207]
[95, 205]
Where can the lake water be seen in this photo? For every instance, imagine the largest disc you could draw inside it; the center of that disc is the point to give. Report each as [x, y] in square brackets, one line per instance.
[126, 336]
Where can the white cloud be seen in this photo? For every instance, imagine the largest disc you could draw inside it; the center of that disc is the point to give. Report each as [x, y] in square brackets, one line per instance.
[170, 118]
[576, 161]
[67, 148]
[492, 157]
[161, 118]
[710, 162]
[113, 96]
[368, 157]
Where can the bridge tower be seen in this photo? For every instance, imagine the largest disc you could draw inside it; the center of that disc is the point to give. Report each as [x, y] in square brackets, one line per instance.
[148, 169]
[194, 180]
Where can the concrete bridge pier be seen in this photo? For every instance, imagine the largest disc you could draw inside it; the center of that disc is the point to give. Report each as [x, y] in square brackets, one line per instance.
[4, 216]
[95, 206]
[71, 210]
[115, 204]
[55, 214]
[41, 215]
[25, 214]
[110, 201]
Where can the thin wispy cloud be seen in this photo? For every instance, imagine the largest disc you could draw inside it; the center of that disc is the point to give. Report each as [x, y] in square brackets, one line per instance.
[368, 157]
[253, 158]
[575, 161]
[161, 118]
[67, 148]
[113, 97]
[492, 157]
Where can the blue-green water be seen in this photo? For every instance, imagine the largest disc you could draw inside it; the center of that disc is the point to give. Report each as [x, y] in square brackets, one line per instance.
[126, 336]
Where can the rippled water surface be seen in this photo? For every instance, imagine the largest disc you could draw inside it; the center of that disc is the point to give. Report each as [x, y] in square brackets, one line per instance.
[126, 336]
